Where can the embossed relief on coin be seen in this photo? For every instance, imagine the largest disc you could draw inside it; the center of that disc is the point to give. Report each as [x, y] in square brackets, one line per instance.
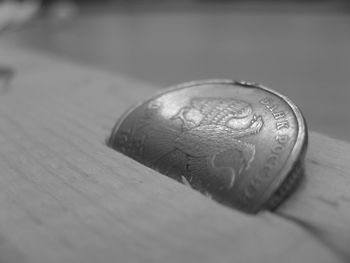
[235, 142]
[209, 139]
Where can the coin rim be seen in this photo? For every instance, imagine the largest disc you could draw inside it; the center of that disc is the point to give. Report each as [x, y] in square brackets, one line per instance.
[294, 156]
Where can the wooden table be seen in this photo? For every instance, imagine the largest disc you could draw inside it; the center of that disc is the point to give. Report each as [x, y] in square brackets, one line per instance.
[66, 197]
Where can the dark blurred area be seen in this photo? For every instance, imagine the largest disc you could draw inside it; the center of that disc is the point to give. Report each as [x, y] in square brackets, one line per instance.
[299, 48]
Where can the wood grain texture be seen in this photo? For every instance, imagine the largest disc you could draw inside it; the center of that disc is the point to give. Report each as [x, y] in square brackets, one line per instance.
[66, 197]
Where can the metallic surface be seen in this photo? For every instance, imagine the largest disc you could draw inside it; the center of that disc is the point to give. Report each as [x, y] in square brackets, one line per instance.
[238, 142]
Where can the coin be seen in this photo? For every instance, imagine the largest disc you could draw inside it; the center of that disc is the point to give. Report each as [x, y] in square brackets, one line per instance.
[238, 142]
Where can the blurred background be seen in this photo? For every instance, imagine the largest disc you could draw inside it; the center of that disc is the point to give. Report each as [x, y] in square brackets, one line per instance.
[299, 48]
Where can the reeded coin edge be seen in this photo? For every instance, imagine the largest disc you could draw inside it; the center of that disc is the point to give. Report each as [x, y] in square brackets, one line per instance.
[298, 149]
[289, 185]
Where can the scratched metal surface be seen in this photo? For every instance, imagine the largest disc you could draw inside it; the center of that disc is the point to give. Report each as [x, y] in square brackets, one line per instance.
[305, 56]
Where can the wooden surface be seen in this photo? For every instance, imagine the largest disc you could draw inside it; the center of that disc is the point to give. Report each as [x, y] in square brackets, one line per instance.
[66, 197]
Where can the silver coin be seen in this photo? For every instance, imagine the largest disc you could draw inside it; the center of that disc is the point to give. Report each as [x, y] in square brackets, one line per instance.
[238, 142]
